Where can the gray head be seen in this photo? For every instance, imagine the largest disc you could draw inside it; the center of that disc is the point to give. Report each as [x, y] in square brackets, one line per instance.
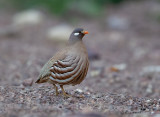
[77, 35]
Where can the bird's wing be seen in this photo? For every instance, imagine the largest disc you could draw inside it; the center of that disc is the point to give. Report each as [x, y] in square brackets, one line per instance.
[45, 71]
[83, 73]
[65, 70]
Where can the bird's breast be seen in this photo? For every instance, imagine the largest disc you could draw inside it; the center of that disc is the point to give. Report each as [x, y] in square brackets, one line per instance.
[68, 70]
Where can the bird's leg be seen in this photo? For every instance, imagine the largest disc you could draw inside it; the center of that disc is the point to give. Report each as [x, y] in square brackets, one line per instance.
[64, 93]
[56, 89]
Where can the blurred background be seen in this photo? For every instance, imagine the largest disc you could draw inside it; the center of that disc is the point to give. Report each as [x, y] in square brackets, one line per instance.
[123, 41]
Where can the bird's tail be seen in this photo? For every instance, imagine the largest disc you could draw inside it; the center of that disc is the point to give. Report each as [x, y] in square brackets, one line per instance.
[38, 81]
[42, 79]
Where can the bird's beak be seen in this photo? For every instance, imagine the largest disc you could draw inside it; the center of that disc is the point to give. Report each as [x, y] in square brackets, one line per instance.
[85, 32]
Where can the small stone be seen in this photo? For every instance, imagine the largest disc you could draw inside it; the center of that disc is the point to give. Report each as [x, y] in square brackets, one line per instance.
[121, 66]
[114, 69]
[117, 22]
[99, 95]
[79, 90]
[92, 54]
[118, 67]
[59, 33]
[1, 98]
[30, 17]
[28, 82]
[148, 101]
[150, 70]
[149, 88]
[95, 73]
[10, 31]
[130, 101]
[157, 107]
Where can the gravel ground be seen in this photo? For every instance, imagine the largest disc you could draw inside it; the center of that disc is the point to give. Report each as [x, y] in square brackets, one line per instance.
[42, 101]
[123, 80]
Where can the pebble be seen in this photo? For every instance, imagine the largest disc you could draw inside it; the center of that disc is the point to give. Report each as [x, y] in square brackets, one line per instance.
[120, 67]
[79, 90]
[150, 69]
[93, 55]
[95, 73]
[59, 33]
[1, 98]
[117, 22]
[10, 31]
[27, 82]
[28, 17]
[115, 68]
[148, 101]
[149, 89]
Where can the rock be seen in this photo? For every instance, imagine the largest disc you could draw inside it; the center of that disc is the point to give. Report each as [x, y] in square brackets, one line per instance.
[95, 73]
[149, 89]
[1, 98]
[118, 67]
[59, 33]
[93, 55]
[151, 69]
[79, 90]
[28, 82]
[114, 69]
[10, 31]
[116, 22]
[28, 17]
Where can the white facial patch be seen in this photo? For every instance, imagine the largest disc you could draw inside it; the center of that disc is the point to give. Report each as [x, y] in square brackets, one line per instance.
[76, 34]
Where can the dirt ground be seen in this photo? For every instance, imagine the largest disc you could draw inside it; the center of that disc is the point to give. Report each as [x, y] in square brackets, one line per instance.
[131, 90]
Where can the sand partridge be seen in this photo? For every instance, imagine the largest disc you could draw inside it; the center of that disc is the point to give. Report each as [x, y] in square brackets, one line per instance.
[68, 66]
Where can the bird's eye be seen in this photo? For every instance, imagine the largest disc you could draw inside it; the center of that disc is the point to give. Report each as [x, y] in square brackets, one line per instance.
[76, 34]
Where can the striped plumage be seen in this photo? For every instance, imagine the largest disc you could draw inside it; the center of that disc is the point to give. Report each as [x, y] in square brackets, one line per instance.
[68, 66]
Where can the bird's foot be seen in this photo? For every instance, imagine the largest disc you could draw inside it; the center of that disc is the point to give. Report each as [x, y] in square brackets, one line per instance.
[56, 89]
[66, 95]
[79, 96]
[57, 93]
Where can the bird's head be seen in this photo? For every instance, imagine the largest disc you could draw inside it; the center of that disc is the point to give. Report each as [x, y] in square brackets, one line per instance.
[77, 35]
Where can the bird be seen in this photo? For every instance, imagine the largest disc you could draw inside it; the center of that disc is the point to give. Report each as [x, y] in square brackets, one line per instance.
[69, 66]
